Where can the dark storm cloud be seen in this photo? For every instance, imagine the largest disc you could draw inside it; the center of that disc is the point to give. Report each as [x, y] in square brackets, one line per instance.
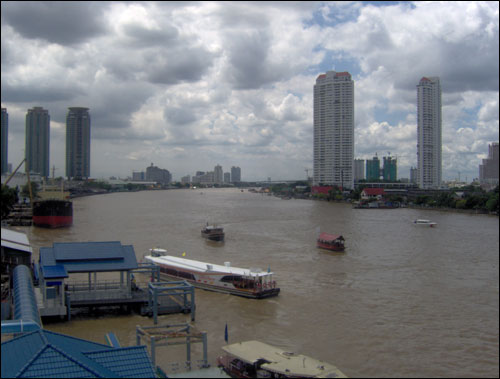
[64, 23]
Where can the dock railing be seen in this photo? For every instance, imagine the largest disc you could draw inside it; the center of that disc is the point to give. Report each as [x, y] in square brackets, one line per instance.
[100, 290]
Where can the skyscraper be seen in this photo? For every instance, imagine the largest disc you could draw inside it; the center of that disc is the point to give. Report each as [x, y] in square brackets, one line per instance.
[78, 143]
[488, 170]
[235, 174]
[373, 168]
[218, 175]
[429, 133]
[334, 129]
[5, 139]
[38, 141]
[390, 169]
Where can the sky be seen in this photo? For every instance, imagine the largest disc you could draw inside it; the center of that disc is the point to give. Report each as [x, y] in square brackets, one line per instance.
[189, 85]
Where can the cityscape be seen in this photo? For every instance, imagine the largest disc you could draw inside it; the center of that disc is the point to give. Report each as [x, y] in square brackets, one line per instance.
[250, 189]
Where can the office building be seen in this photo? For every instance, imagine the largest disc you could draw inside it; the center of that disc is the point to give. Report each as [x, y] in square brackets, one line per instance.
[413, 175]
[227, 177]
[373, 169]
[390, 170]
[235, 174]
[5, 140]
[429, 133]
[37, 148]
[78, 143]
[488, 170]
[334, 130]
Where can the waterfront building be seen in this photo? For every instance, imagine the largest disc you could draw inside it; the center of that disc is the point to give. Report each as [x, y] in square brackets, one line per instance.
[488, 170]
[359, 169]
[78, 143]
[235, 174]
[333, 120]
[5, 140]
[155, 174]
[227, 177]
[390, 170]
[37, 147]
[218, 175]
[429, 132]
[373, 168]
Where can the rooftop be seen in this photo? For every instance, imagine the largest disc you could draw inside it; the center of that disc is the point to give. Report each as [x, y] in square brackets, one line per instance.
[48, 354]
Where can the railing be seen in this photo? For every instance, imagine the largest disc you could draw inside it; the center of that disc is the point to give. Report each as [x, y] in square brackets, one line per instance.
[101, 290]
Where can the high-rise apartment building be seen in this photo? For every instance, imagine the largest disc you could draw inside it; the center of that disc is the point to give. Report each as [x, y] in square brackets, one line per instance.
[5, 140]
[390, 170]
[334, 129]
[373, 169]
[235, 174]
[78, 143]
[218, 174]
[37, 148]
[488, 171]
[429, 133]
[359, 169]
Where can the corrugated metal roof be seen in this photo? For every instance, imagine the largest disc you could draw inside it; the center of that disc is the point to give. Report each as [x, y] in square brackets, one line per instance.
[25, 306]
[89, 256]
[48, 354]
[15, 240]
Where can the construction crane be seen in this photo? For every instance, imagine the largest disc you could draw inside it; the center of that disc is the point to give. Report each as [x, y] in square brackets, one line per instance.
[307, 173]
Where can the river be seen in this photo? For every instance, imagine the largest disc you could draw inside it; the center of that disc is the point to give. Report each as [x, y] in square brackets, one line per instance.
[402, 301]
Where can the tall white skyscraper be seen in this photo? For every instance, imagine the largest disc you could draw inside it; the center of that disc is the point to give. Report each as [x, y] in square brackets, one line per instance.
[334, 129]
[429, 169]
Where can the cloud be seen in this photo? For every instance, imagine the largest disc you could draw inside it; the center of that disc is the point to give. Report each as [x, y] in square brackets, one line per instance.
[64, 23]
[188, 85]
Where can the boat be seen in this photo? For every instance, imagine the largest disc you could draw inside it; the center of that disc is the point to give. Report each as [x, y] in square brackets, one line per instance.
[53, 209]
[331, 242]
[425, 223]
[213, 232]
[255, 359]
[250, 283]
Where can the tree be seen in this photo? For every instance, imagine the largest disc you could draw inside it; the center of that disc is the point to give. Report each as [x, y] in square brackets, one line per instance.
[9, 198]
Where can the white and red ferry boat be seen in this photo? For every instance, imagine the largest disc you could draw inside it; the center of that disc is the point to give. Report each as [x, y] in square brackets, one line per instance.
[251, 283]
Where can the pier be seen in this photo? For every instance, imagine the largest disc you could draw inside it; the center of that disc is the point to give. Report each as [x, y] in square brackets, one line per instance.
[58, 294]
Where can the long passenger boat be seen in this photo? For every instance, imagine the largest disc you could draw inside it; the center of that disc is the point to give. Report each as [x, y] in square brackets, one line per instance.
[251, 283]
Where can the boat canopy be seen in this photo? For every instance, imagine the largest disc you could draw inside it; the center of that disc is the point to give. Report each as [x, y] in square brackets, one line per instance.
[330, 237]
[192, 265]
[281, 361]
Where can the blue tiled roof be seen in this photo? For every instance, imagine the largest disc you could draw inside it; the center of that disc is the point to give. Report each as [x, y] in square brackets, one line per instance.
[48, 354]
[89, 256]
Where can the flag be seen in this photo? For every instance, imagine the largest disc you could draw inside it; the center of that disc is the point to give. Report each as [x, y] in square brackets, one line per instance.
[184, 254]
[269, 268]
[225, 334]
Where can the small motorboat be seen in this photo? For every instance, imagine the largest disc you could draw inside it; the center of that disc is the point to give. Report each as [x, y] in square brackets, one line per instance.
[213, 232]
[425, 223]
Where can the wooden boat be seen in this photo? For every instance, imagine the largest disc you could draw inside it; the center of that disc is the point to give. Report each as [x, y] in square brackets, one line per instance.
[255, 359]
[213, 232]
[252, 283]
[331, 242]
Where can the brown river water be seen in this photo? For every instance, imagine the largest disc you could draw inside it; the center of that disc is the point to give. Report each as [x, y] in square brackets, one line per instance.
[402, 301]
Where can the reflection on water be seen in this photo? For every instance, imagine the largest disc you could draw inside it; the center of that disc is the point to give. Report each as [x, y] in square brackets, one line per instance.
[401, 301]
